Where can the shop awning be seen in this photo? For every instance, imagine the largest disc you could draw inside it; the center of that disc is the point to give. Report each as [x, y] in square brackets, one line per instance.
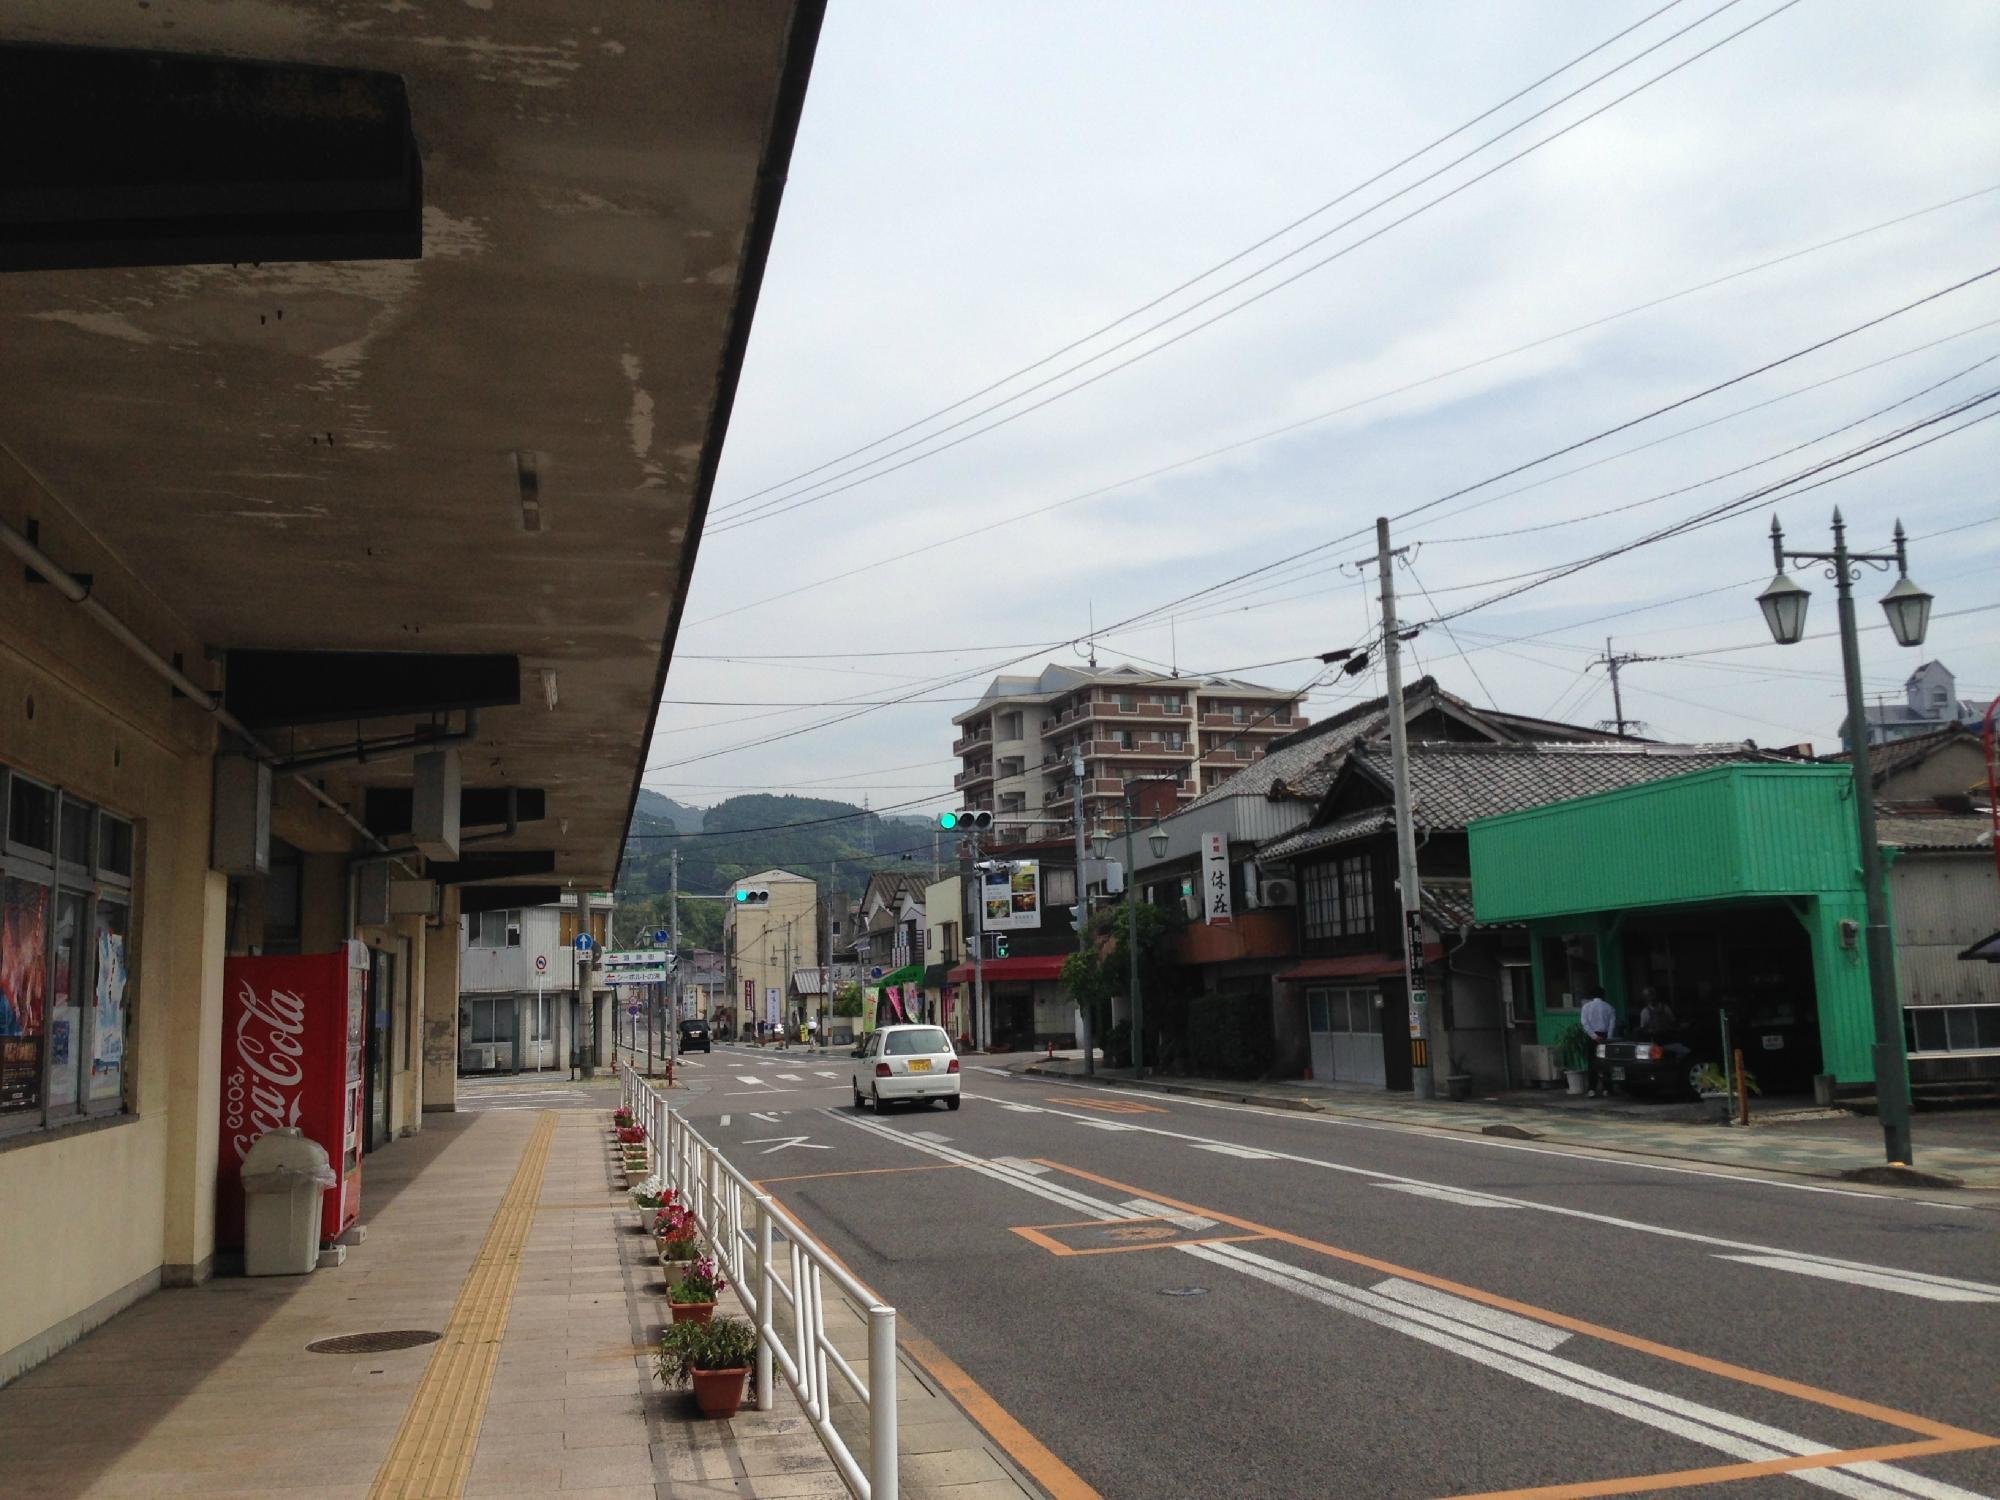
[1354, 966]
[936, 976]
[908, 974]
[1035, 966]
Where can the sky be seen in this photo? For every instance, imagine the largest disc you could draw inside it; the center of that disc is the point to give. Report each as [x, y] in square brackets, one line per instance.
[979, 191]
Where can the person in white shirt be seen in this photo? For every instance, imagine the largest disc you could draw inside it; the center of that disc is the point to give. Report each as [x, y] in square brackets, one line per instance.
[1600, 1024]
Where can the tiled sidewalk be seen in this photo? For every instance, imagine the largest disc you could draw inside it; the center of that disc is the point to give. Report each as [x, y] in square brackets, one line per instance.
[1810, 1148]
[211, 1392]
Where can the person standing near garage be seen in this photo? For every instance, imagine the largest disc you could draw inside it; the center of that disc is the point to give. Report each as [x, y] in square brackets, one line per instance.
[1599, 1023]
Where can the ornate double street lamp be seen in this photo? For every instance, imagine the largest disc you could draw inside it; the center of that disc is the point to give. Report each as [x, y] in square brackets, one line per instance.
[1909, 610]
[1101, 846]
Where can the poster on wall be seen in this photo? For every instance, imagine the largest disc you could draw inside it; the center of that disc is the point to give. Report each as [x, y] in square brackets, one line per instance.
[24, 977]
[1215, 879]
[1011, 899]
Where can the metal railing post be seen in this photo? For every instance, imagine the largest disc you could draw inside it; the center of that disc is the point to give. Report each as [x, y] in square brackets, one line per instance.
[766, 1397]
[882, 1403]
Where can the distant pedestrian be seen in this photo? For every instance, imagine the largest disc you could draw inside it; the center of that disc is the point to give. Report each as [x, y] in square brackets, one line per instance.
[1656, 1016]
[1600, 1023]
[812, 1030]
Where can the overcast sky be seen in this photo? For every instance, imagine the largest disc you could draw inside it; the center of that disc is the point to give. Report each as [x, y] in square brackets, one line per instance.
[975, 187]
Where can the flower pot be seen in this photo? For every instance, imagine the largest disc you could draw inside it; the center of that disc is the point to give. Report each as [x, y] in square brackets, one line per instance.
[679, 1252]
[1720, 1108]
[1576, 1077]
[691, 1312]
[719, 1392]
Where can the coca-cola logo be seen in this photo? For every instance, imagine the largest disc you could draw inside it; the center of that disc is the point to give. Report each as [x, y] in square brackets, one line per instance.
[262, 1090]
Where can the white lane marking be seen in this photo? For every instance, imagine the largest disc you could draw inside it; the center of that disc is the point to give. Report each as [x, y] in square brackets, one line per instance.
[929, 1135]
[1708, 1426]
[786, 1143]
[1225, 1148]
[1021, 1109]
[1478, 1314]
[1908, 1285]
[789, 1077]
[996, 1072]
[823, 1073]
[1109, 1125]
[1463, 1198]
[762, 1115]
[1688, 1235]
[1712, 1428]
[723, 1123]
[746, 1078]
[1021, 1164]
[1171, 1216]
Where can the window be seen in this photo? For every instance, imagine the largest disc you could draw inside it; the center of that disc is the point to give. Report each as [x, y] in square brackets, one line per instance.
[1283, 714]
[1058, 886]
[1176, 740]
[1124, 739]
[1340, 898]
[65, 982]
[915, 1043]
[494, 929]
[1569, 970]
[1347, 1012]
[1008, 727]
[1127, 703]
[1237, 714]
[1952, 1028]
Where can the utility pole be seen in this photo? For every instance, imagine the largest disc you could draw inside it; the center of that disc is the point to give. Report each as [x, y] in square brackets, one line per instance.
[826, 952]
[978, 883]
[1613, 661]
[586, 1008]
[1082, 896]
[674, 949]
[1426, 1062]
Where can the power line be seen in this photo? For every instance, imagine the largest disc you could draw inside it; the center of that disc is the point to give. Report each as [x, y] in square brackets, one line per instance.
[1287, 428]
[767, 510]
[1201, 276]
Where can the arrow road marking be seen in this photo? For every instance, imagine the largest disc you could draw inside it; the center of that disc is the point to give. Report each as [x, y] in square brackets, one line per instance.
[785, 1143]
[1884, 1281]
[767, 1118]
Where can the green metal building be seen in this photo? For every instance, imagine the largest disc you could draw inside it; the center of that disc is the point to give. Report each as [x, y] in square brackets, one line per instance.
[1731, 890]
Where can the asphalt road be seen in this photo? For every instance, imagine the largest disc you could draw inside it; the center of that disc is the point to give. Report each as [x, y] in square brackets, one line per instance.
[1178, 1297]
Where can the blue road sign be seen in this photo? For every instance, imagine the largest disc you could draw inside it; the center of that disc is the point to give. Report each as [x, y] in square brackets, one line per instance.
[584, 943]
[661, 936]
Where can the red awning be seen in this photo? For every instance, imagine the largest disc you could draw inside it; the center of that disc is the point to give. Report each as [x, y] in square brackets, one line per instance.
[1036, 966]
[1355, 966]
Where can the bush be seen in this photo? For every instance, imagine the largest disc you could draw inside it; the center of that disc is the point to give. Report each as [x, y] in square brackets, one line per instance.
[719, 1344]
[1229, 1036]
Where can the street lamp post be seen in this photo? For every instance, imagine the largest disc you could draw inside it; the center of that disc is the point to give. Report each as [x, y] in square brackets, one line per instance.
[1908, 608]
[1158, 839]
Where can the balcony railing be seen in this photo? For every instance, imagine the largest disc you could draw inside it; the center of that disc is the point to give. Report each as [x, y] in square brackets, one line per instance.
[969, 777]
[1256, 723]
[965, 742]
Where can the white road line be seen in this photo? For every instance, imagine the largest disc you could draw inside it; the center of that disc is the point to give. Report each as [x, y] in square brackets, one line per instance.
[1722, 1431]
[822, 1073]
[996, 1072]
[1021, 1164]
[930, 1135]
[762, 1115]
[1611, 1220]
[746, 1078]
[723, 1123]
[1109, 1125]
[1172, 1216]
[789, 1077]
[1908, 1284]
[1020, 1109]
[1478, 1314]
[1463, 1198]
[1225, 1148]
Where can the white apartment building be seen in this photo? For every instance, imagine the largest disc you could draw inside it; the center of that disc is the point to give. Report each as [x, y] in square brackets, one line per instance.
[517, 986]
[1015, 745]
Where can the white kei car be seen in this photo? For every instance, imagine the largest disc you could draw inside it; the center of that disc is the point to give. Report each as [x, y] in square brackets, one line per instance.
[906, 1062]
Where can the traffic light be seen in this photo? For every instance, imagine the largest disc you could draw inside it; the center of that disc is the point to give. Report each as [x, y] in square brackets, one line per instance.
[999, 945]
[752, 896]
[965, 821]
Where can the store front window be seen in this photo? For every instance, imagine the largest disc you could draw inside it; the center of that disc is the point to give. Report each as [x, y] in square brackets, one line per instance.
[65, 974]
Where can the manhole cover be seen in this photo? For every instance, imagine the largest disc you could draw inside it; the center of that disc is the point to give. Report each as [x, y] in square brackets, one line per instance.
[374, 1343]
[1183, 1291]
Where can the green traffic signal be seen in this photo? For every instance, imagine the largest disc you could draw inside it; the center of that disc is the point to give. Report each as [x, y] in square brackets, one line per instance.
[947, 821]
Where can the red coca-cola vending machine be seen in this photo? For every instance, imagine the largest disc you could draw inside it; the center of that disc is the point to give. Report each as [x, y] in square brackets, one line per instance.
[291, 1055]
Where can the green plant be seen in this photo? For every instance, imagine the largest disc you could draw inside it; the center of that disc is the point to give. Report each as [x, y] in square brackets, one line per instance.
[847, 1000]
[1573, 1048]
[1711, 1079]
[719, 1344]
[700, 1282]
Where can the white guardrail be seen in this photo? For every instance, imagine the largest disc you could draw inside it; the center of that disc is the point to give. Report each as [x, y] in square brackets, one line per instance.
[743, 1226]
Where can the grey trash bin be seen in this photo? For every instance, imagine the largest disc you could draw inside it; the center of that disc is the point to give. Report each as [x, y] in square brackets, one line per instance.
[283, 1178]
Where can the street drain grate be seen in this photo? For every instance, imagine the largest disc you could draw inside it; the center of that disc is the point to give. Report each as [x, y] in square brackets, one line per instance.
[374, 1343]
[1183, 1291]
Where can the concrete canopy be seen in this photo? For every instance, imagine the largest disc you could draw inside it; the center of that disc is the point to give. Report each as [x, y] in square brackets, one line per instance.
[340, 456]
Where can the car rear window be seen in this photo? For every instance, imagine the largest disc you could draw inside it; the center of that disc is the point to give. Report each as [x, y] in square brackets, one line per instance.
[916, 1043]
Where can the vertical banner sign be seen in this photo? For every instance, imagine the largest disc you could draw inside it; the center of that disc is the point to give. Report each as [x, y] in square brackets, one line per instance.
[1215, 879]
[1413, 978]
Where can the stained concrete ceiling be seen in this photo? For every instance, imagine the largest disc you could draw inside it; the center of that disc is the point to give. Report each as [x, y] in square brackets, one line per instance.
[330, 456]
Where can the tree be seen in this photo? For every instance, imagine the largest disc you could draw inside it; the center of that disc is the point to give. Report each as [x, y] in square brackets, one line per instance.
[1104, 970]
[847, 1000]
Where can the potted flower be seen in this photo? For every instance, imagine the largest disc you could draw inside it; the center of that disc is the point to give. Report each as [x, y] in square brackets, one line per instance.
[1717, 1090]
[1572, 1050]
[692, 1295]
[631, 1133]
[713, 1357]
[679, 1236]
[621, 1117]
[647, 1195]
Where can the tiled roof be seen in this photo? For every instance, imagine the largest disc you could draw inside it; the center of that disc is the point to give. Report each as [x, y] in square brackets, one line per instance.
[1448, 904]
[1452, 784]
[1911, 750]
[1934, 830]
[1306, 840]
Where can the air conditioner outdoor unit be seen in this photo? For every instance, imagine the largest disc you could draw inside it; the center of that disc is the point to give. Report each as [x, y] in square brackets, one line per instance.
[1539, 1064]
[1277, 892]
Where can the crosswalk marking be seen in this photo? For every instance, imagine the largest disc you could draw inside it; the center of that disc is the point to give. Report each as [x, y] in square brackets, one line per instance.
[824, 1073]
[789, 1077]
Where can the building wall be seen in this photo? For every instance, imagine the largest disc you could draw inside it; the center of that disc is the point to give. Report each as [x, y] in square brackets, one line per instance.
[760, 933]
[1940, 905]
[1950, 770]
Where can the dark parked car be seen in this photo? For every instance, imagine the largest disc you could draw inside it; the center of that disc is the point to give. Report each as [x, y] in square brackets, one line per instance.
[1778, 1036]
[694, 1034]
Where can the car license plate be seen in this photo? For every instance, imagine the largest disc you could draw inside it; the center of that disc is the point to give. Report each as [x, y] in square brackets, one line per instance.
[920, 1065]
[1618, 1075]
[1774, 1043]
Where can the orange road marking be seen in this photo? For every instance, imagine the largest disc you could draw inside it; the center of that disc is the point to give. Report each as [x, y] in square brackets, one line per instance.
[1109, 1106]
[1721, 1473]
[1056, 1477]
[1949, 1439]
[942, 1166]
[1051, 1473]
[1034, 1235]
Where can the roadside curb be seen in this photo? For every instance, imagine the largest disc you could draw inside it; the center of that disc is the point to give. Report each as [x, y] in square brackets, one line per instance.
[1873, 1176]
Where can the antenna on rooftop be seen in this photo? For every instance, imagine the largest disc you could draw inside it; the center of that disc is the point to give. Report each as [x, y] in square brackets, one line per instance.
[1093, 635]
